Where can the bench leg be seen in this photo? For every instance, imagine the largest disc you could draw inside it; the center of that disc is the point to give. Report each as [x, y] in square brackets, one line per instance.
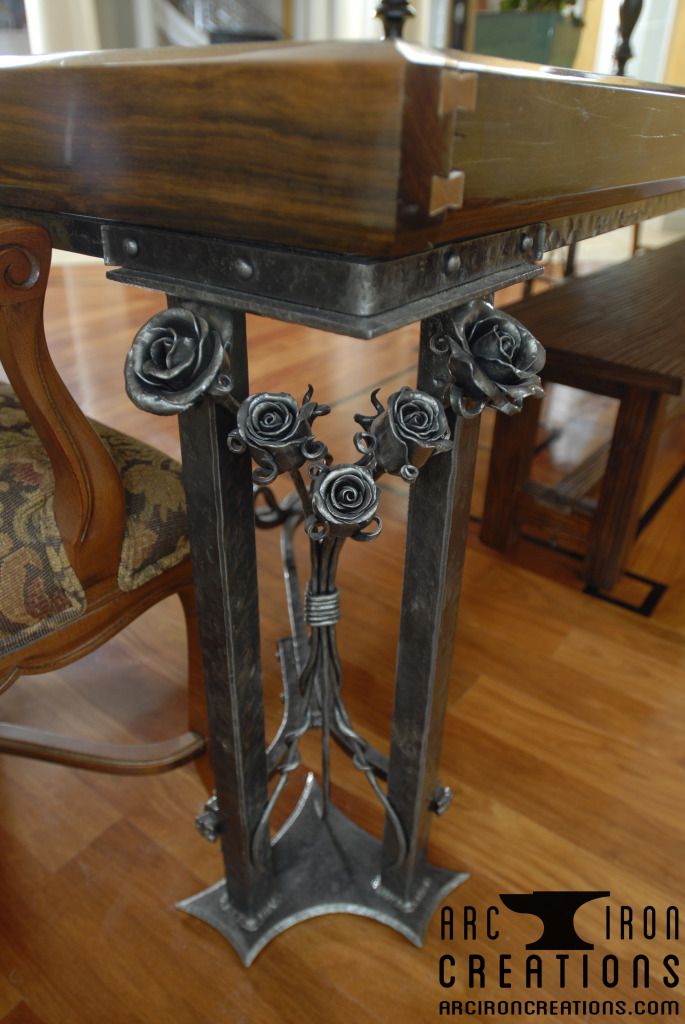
[513, 445]
[630, 460]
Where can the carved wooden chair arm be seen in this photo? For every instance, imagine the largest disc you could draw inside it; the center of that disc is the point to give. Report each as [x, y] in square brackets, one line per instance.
[89, 496]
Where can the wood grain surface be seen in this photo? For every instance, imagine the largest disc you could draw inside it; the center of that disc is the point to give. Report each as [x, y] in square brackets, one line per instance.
[369, 148]
[622, 324]
[564, 745]
[617, 332]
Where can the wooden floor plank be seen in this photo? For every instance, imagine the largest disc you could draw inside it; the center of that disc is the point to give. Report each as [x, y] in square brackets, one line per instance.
[9, 997]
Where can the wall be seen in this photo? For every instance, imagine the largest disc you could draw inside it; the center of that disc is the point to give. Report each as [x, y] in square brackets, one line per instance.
[585, 58]
[57, 25]
[675, 65]
[656, 62]
[117, 23]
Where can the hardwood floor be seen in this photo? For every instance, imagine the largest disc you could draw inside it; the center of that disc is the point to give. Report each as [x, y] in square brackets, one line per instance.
[564, 747]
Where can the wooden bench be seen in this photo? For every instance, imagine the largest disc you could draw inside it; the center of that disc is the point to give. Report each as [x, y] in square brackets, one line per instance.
[618, 333]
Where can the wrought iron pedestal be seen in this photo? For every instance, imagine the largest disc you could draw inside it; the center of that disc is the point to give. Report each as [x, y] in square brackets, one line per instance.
[191, 360]
[322, 863]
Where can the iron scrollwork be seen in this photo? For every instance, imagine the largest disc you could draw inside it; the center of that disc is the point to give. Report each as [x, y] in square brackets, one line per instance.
[344, 501]
[481, 357]
[277, 433]
[490, 359]
[412, 428]
[174, 360]
[339, 503]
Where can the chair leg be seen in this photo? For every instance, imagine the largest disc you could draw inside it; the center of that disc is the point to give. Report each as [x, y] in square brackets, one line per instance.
[197, 703]
[96, 626]
[630, 461]
[513, 445]
[113, 758]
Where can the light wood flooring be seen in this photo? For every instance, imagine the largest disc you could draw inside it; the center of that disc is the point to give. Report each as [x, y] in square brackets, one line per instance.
[564, 746]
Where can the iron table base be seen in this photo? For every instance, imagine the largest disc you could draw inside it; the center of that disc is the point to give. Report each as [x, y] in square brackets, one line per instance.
[191, 359]
[322, 865]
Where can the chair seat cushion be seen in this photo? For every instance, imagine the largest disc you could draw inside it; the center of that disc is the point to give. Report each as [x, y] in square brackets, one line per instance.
[39, 590]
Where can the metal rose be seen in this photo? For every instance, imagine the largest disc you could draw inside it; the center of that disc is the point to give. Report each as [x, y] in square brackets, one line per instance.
[277, 432]
[493, 359]
[408, 432]
[344, 500]
[175, 358]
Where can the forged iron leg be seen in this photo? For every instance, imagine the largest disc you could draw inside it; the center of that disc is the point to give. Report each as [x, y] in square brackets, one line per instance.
[435, 546]
[221, 528]
[471, 357]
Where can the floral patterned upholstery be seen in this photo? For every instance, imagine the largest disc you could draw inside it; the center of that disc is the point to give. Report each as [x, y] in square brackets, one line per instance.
[39, 590]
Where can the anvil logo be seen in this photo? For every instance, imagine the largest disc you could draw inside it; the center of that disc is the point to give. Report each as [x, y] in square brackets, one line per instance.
[556, 910]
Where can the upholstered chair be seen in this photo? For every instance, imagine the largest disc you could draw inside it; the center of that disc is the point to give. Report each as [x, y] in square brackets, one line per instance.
[92, 526]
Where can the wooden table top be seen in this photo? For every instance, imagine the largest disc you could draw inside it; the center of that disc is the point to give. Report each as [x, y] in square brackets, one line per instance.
[378, 149]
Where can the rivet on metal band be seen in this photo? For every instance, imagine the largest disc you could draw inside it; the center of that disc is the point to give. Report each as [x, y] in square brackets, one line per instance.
[322, 609]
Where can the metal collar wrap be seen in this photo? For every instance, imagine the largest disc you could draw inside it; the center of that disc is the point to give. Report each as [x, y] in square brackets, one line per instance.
[322, 609]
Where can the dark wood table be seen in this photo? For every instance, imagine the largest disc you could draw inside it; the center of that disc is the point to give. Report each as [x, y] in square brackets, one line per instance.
[354, 188]
[618, 333]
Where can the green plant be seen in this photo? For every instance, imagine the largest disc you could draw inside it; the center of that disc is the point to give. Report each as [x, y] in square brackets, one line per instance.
[533, 5]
